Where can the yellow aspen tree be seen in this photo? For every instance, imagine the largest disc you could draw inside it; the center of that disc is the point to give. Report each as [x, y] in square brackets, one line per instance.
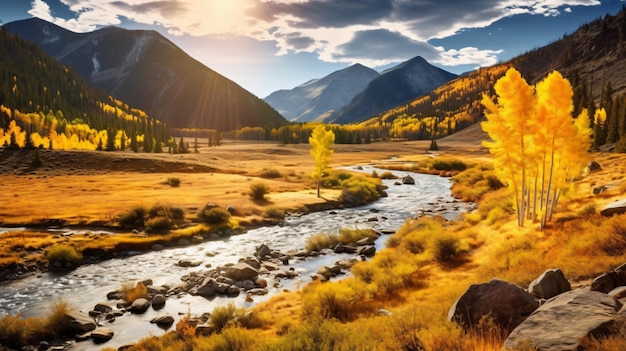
[321, 142]
[508, 124]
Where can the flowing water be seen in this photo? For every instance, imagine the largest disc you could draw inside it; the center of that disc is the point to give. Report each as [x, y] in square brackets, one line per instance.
[87, 285]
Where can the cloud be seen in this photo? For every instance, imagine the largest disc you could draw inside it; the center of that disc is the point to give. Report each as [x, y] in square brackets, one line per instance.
[367, 31]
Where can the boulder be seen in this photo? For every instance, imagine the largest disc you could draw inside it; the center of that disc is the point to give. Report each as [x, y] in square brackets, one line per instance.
[158, 301]
[563, 321]
[157, 289]
[549, 284]
[208, 288]
[594, 166]
[367, 251]
[338, 248]
[241, 271]
[103, 307]
[408, 180]
[506, 303]
[140, 305]
[114, 295]
[163, 320]
[79, 322]
[609, 280]
[187, 263]
[618, 293]
[614, 208]
[101, 334]
[370, 240]
[262, 252]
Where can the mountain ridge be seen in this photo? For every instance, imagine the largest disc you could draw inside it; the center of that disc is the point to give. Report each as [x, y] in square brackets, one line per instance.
[317, 98]
[147, 70]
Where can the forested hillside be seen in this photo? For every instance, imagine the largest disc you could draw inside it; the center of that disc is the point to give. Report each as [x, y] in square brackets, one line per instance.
[50, 105]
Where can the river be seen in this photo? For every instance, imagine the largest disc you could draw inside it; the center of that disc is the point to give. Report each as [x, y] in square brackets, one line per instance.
[87, 285]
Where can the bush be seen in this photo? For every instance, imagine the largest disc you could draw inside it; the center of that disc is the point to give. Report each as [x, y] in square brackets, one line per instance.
[36, 162]
[270, 173]
[449, 165]
[213, 215]
[275, 213]
[171, 212]
[133, 218]
[347, 236]
[359, 190]
[172, 181]
[445, 248]
[388, 175]
[159, 225]
[321, 241]
[258, 191]
[64, 254]
[221, 315]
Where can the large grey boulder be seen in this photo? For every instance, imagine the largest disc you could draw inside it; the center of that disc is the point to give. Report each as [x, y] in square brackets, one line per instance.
[140, 305]
[506, 303]
[241, 271]
[563, 321]
[163, 320]
[614, 208]
[79, 322]
[549, 284]
[408, 180]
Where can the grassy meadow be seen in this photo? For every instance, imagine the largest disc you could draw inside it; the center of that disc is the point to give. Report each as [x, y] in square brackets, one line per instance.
[425, 267]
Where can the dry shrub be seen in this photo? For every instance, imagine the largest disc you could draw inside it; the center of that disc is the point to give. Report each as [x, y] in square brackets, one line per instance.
[339, 300]
[213, 215]
[270, 173]
[222, 315]
[275, 213]
[258, 191]
[17, 332]
[65, 254]
[387, 175]
[359, 190]
[321, 241]
[131, 293]
[133, 218]
[347, 236]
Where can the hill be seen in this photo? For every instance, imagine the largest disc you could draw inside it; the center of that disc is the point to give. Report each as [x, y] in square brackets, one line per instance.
[592, 58]
[394, 86]
[319, 98]
[40, 96]
[146, 70]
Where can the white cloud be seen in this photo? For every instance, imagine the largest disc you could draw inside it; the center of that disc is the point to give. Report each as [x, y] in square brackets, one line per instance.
[325, 27]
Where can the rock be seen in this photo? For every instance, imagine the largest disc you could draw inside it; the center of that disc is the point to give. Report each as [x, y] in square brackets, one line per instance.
[257, 292]
[349, 249]
[103, 307]
[253, 262]
[101, 334]
[187, 263]
[383, 312]
[408, 180]
[241, 271]
[208, 288]
[79, 322]
[594, 166]
[338, 248]
[156, 289]
[563, 321]
[125, 347]
[225, 280]
[261, 283]
[139, 306]
[597, 190]
[551, 283]
[367, 251]
[233, 291]
[370, 240]
[270, 266]
[262, 252]
[618, 293]
[114, 295]
[346, 263]
[205, 330]
[182, 242]
[614, 208]
[158, 301]
[506, 303]
[163, 320]
[157, 247]
[610, 280]
[245, 284]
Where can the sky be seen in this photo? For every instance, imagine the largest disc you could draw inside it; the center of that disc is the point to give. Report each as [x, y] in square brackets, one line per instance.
[267, 45]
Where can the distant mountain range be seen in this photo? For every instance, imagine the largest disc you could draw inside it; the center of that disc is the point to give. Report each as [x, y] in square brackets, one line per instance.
[148, 71]
[357, 93]
[318, 99]
[393, 87]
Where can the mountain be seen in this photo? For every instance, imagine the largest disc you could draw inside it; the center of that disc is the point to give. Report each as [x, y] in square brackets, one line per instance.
[592, 58]
[393, 87]
[319, 98]
[148, 71]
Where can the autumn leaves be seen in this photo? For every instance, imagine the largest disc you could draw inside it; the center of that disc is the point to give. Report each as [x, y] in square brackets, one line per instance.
[538, 147]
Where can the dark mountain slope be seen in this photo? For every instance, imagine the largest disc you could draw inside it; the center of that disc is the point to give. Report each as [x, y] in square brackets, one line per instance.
[393, 87]
[318, 98]
[148, 71]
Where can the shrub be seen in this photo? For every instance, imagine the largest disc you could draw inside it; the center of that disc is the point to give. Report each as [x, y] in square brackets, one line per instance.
[347, 236]
[171, 212]
[221, 315]
[275, 213]
[321, 241]
[172, 181]
[388, 175]
[446, 248]
[133, 218]
[213, 215]
[332, 300]
[449, 165]
[258, 191]
[270, 173]
[131, 293]
[36, 162]
[159, 225]
[359, 190]
[66, 255]
[16, 332]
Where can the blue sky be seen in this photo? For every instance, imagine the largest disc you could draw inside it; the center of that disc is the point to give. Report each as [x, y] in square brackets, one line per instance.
[266, 45]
